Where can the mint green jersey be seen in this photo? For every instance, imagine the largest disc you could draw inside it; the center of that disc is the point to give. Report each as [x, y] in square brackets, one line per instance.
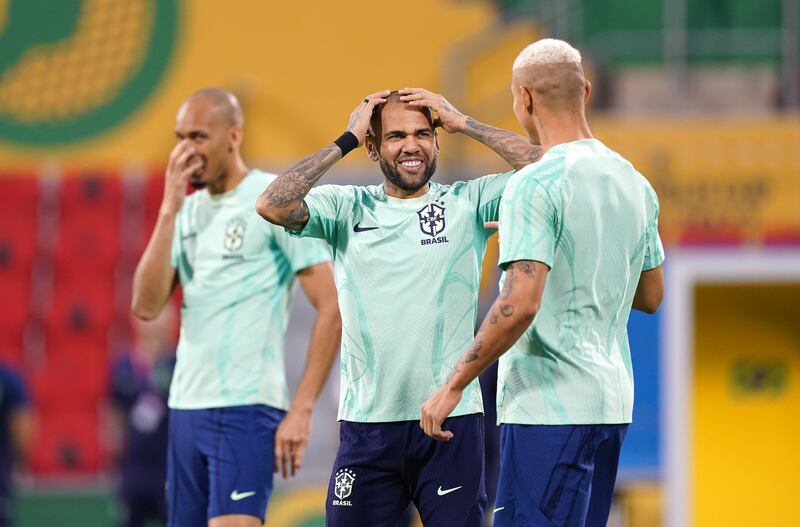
[585, 212]
[237, 273]
[407, 273]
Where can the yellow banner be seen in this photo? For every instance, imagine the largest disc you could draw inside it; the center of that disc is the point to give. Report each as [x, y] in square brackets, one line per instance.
[101, 82]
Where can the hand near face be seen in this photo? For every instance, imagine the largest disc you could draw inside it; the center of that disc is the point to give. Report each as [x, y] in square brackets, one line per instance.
[359, 119]
[179, 167]
[449, 118]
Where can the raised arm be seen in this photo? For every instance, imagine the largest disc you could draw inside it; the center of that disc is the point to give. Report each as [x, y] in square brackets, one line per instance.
[155, 278]
[515, 149]
[282, 203]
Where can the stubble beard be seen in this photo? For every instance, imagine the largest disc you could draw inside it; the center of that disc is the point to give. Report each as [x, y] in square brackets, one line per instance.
[393, 175]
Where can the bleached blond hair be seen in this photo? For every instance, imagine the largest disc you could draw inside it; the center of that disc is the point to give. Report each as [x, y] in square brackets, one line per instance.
[547, 51]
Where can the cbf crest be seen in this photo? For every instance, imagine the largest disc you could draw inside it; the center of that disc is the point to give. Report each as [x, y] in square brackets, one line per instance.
[234, 234]
[343, 486]
[431, 219]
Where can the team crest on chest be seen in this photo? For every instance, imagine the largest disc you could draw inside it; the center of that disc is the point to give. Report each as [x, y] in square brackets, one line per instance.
[343, 486]
[432, 223]
[234, 234]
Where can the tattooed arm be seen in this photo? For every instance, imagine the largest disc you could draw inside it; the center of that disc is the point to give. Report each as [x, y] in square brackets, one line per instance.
[509, 317]
[515, 149]
[282, 203]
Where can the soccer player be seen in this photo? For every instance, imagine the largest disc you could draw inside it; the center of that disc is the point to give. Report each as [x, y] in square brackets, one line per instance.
[407, 258]
[579, 245]
[228, 394]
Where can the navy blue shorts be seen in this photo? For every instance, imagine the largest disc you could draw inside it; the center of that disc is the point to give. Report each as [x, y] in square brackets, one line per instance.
[380, 467]
[557, 475]
[220, 462]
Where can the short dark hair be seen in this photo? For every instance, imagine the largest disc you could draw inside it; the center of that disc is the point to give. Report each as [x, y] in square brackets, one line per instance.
[393, 97]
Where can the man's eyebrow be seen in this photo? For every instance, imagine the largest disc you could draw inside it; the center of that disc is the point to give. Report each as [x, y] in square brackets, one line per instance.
[392, 133]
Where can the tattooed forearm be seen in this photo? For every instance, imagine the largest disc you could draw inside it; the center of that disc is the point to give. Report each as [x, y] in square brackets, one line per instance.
[515, 149]
[524, 266]
[473, 353]
[508, 318]
[282, 202]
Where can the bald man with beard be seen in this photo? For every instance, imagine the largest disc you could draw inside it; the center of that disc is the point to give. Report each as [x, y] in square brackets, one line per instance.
[579, 247]
[231, 420]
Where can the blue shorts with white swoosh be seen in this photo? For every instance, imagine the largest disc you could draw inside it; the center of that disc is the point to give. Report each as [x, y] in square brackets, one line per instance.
[380, 467]
[220, 462]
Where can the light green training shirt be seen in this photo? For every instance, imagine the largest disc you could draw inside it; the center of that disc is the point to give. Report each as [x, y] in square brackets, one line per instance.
[407, 273]
[237, 273]
[586, 212]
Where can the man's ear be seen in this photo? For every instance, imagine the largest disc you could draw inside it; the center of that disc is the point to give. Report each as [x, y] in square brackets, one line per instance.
[372, 148]
[235, 138]
[527, 99]
[587, 92]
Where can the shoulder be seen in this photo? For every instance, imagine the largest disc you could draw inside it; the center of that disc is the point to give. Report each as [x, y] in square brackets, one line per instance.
[256, 181]
[546, 174]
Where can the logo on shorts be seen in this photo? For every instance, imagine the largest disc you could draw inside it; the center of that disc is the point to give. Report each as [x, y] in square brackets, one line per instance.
[234, 234]
[343, 486]
[237, 496]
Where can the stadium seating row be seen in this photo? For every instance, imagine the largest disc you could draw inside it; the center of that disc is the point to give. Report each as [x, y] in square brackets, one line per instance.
[67, 249]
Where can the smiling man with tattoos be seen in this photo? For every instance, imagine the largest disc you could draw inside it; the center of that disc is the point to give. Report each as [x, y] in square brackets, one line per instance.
[407, 261]
[579, 245]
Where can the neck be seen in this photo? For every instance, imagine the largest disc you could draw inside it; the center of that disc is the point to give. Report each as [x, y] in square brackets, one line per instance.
[558, 128]
[230, 179]
[396, 192]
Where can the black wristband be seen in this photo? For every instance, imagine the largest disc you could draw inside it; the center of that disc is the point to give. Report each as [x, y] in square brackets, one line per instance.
[346, 142]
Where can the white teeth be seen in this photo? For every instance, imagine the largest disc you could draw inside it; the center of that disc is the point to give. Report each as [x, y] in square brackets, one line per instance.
[411, 164]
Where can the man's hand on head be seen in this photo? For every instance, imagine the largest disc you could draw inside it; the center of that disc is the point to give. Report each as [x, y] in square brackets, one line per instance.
[449, 118]
[359, 119]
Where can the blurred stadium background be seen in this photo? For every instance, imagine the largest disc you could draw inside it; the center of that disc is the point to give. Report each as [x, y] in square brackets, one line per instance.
[702, 95]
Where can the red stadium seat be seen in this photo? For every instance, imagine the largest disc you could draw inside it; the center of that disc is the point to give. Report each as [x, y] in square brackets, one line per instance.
[92, 195]
[81, 312]
[18, 243]
[69, 383]
[19, 194]
[87, 244]
[67, 443]
[16, 300]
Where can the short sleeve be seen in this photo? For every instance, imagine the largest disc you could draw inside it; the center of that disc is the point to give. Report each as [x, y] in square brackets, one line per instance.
[302, 253]
[487, 192]
[653, 248]
[529, 220]
[325, 204]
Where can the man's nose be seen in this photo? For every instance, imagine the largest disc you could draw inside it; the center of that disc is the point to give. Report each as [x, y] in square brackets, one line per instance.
[410, 145]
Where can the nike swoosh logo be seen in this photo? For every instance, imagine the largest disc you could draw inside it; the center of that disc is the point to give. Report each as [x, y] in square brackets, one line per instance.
[356, 228]
[187, 236]
[498, 509]
[236, 496]
[441, 492]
